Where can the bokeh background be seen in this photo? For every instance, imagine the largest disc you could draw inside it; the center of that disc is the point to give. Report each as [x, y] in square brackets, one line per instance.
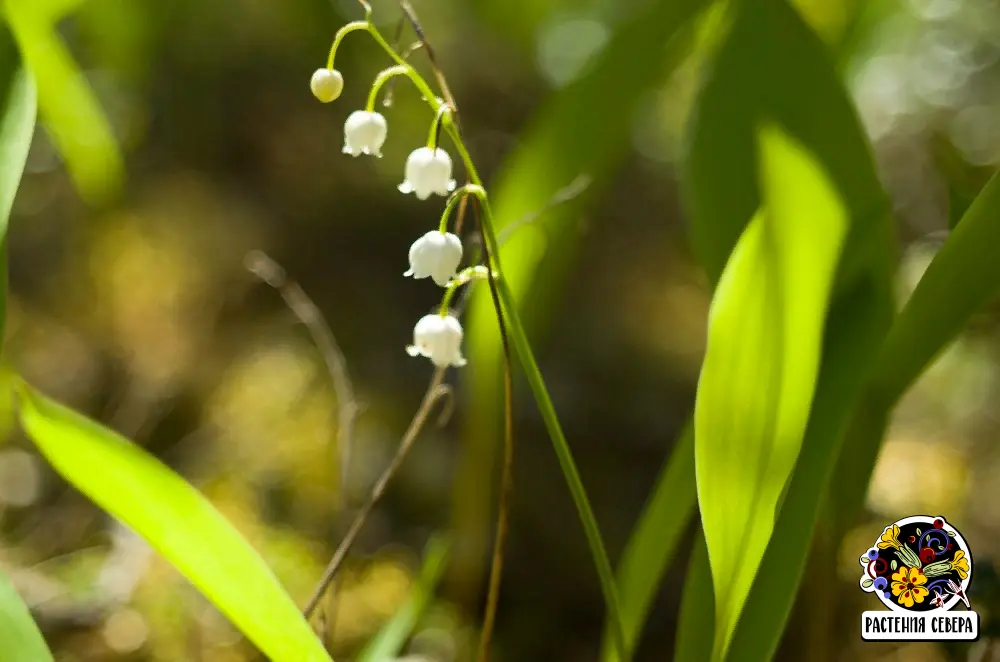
[140, 311]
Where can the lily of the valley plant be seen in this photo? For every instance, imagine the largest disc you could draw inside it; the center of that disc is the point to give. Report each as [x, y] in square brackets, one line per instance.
[428, 171]
[438, 254]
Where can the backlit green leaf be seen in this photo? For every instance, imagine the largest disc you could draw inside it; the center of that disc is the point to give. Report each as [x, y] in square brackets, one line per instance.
[135, 488]
[16, 130]
[757, 381]
[68, 108]
[771, 65]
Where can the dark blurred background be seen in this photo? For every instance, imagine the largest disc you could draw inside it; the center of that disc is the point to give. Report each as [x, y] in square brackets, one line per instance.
[141, 313]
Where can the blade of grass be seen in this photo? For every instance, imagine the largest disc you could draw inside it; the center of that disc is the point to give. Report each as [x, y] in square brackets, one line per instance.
[961, 279]
[17, 127]
[19, 636]
[389, 641]
[654, 542]
[137, 489]
[696, 622]
[69, 110]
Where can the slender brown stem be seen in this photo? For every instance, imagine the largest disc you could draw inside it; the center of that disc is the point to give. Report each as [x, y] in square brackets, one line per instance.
[496, 568]
[434, 393]
[507, 474]
[411, 16]
[309, 314]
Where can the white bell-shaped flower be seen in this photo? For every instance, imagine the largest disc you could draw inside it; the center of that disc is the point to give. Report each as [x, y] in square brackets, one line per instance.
[364, 133]
[439, 338]
[428, 171]
[436, 254]
[326, 84]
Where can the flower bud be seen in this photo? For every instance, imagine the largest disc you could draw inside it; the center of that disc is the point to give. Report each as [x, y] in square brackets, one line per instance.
[439, 338]
[428, 171]
[326, 84]
[436, 254]
[364, 133]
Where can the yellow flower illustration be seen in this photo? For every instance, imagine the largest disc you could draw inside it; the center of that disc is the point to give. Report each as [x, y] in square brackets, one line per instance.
[890, 538]
[908, 586]
[960, 564]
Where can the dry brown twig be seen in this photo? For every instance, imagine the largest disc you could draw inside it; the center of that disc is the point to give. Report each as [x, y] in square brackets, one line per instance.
[309, 314]
[436, 391]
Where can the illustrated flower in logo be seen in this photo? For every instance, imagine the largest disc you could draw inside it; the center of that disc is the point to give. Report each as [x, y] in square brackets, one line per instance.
[908, 586]
[918, 564]
[960, 564]
[889, 538]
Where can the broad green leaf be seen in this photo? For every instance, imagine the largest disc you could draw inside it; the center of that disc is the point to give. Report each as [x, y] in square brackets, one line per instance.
[857, 324]
[389, 641]
[654, 541]
[771, 66]
[19, 636]
[583, 129]
[176, 520]
[764, 346]
[69, 111]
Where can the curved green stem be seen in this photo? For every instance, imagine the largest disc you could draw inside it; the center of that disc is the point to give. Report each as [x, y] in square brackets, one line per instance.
[435, 132]
[381, 80]
[527, 358]
[339, 37]
[453, 202]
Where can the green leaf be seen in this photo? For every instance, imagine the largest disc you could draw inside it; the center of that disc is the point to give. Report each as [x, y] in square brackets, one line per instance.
[68, 108]
[961, 279]
[867, 583]
[16, 130]
[137, 489]
[696, 624]
[757, 380]
[772, 66]
[389, 641]
[858, 321]
[17, 126]
[19, 636]
[893, 564]
[654, 541]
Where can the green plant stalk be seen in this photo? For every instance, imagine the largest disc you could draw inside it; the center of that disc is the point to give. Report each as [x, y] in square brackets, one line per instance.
[523, 347]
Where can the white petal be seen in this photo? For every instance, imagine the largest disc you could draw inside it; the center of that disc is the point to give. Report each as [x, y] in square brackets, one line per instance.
[442, 276]
[405, 187]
